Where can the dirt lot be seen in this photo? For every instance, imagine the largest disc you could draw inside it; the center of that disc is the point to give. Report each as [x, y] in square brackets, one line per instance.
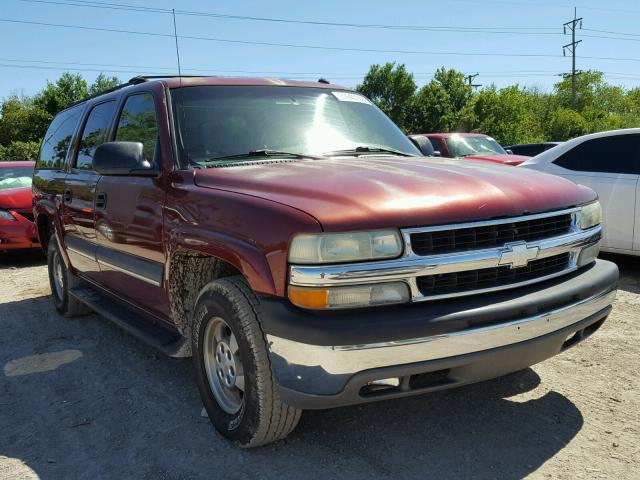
[81, 399]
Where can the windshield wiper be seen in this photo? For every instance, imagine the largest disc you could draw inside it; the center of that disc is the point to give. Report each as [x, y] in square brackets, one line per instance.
[263, 153]
[365, 149]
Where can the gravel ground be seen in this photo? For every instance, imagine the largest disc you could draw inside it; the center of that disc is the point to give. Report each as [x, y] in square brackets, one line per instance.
[80, 398]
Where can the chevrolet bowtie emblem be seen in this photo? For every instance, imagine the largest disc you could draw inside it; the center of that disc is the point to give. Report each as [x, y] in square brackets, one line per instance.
[518, 255]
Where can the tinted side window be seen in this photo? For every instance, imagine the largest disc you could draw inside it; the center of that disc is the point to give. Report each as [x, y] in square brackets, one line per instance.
[436, 143]
[94, 133]
[138, 122]
[529, 150]
[617, 154]
[58, 138]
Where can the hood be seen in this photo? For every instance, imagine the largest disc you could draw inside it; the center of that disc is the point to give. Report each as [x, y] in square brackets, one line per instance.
[502, 159]
[375, 192]
[16, 199]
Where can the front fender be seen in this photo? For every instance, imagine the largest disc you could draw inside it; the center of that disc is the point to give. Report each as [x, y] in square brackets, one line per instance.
[242, 255]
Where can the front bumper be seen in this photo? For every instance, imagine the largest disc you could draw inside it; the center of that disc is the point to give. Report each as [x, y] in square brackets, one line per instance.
[325, 360]
[18, 234]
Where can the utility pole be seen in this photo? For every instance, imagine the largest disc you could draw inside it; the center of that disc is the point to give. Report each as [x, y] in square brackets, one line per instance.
[470, 80]
[572, 25]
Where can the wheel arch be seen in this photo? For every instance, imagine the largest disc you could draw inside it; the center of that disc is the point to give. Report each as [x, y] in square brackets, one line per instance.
[47, 223]
[197, 258]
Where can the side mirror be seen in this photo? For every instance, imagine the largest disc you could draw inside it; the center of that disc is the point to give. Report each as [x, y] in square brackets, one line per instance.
[436, 153]
[123, 158]
[510, 152]
[423, 144]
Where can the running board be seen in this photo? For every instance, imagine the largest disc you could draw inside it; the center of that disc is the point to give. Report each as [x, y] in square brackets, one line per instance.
[140, 326]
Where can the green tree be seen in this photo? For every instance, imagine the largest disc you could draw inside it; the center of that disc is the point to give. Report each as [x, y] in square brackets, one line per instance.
[57, 96]
[444, 104]
[587, 85]
[102, 83]
[507, 115]
[19, 151]
[392, 89]
[22, 120]
[565, 124]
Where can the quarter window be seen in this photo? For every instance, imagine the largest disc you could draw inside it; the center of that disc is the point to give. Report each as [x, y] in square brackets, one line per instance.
[57, 140]
[94, 134]
[436, 143]
[138, 123]
[617, 154]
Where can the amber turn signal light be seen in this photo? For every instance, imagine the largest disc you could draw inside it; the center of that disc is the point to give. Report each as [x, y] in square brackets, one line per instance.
[309, 297]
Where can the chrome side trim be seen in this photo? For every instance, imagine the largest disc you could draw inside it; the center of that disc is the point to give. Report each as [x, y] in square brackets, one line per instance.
[81, 253]
[349, 359]
[129, 272]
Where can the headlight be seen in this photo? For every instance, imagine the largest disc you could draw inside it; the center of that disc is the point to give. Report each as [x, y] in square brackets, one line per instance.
[345, 247]
[350, 297]
[590, 215]
[4, 215]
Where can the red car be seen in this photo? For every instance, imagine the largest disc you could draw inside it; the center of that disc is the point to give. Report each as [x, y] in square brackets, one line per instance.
[16, 216]
[472, 146]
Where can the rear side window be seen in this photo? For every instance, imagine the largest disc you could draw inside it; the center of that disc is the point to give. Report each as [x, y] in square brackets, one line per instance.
[138, 123]
[95, 133]
[436, 143]
[57, 140]
[617, 154]
[529, 150]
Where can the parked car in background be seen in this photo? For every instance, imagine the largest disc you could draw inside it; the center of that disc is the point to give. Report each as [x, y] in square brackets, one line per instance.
[531, 149]
[17, 230]
[609, 163]
[290, 238]
[471, 146]
[424, 145]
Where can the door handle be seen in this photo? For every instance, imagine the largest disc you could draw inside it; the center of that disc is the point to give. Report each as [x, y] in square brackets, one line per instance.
[67, 196]
[101, 200]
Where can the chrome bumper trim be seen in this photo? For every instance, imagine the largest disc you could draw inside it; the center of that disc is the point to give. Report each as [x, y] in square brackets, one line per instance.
[350, 359]
[411, 266]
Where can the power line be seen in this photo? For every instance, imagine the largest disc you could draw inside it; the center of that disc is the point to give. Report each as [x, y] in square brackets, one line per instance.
[511, 30]
[612, 38]
[313, 47]
[609, 31]
[147, 70]
[549, 5]
[288, 45]
[439, 28]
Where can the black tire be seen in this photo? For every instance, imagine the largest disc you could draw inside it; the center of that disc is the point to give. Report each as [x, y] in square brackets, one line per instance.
[262, 417]
[65, 304]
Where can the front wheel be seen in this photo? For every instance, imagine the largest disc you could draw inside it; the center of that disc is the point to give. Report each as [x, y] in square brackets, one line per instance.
[232, 367]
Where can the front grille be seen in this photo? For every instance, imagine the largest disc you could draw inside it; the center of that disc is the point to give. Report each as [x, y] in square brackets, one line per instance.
[488, 236]
[459, 282]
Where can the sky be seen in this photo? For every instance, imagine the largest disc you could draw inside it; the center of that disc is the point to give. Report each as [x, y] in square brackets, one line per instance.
[505, 41]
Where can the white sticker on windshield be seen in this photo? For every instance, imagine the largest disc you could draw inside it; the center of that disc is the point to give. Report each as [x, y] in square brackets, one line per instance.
[351, 97]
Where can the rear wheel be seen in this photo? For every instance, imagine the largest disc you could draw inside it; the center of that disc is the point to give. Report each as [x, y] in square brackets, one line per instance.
[61, 281]
[232, 367]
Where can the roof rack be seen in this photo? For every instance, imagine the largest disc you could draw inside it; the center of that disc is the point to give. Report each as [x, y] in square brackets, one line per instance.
[132, 81]
[146, 78]
[109, 90]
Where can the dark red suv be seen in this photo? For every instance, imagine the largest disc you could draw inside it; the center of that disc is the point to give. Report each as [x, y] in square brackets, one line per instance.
[295, 243]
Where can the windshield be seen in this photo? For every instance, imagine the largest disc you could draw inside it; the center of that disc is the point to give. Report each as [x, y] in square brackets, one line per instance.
[460, 146]
[15, 177]
[216, 122]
